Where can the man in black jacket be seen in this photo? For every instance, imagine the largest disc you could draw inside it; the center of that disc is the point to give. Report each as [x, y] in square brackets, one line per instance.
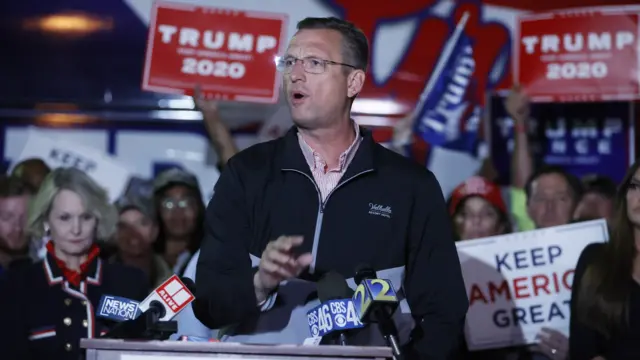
[326, 197]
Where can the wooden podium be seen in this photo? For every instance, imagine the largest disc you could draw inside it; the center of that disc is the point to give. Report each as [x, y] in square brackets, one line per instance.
[110, 349]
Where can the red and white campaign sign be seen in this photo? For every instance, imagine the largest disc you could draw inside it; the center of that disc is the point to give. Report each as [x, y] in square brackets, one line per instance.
[230, 54]
[582, 55]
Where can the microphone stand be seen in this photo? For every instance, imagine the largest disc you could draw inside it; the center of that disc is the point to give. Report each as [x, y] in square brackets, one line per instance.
[388, 330]
[343, 339]
[147, 326]
[395, 347]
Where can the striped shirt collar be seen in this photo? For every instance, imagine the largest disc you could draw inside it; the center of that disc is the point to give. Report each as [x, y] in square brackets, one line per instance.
[315, 160]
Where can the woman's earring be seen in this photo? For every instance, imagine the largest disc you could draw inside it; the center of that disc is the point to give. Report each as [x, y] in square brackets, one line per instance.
[47, 230]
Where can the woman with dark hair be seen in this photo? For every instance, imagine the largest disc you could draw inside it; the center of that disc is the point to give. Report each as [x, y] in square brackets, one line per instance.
[181, 214]
[605, 302]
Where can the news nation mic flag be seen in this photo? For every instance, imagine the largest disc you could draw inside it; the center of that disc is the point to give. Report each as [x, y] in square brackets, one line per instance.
[117, 308]
[446, 114]
[333, 315]
[173, 294]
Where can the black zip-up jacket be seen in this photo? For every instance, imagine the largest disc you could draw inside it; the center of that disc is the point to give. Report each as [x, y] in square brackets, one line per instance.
[387, 211]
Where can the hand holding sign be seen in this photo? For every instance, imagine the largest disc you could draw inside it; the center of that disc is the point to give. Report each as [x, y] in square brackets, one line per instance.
[517, 104]
[553, 343]
[206, 106]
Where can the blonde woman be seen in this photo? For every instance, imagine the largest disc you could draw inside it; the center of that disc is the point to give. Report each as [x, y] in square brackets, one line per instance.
[46, 308]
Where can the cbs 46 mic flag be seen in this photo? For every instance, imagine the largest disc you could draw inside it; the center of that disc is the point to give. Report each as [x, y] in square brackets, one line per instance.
[333, 315]
[447, 115]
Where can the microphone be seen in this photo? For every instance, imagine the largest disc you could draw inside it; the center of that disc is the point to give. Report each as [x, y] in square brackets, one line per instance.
[375, 301]
[169, 298]
[153, 316]
[336, 314]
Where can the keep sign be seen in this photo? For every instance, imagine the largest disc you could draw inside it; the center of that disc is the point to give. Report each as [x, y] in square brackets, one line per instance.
[521, 282]
[112, 175]
[229, 53]
[578, 56]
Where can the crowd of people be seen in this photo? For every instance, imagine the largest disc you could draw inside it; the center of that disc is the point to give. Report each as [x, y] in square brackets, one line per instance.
[63, 244]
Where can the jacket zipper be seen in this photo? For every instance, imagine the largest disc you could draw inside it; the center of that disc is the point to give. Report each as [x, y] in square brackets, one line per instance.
[320, 216]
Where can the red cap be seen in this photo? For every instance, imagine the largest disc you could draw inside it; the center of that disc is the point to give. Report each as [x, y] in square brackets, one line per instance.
[477, 186]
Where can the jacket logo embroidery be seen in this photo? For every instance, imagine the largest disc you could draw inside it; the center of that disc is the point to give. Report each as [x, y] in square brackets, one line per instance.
[380, 210]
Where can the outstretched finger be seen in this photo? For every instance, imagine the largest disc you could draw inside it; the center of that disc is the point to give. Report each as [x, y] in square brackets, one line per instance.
[287, 243]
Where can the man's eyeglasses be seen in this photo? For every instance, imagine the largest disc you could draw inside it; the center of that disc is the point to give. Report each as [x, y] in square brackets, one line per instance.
[310, 65]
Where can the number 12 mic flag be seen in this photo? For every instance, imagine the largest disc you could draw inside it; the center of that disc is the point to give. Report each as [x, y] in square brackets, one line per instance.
[579, 55]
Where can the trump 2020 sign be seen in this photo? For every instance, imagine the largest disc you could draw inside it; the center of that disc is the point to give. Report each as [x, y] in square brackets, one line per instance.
[579, 55]
[230, 54]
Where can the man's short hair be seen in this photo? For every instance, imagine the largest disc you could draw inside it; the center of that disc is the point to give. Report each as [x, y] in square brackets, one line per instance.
[355, 46]
[11, 186]
[602, 185]
[574, 183]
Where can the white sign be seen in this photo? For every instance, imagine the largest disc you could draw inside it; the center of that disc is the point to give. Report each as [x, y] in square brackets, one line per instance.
[521, 282]
[106, 171]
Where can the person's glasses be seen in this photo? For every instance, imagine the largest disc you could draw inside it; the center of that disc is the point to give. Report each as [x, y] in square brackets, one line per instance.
[172, 204]
[310, 65]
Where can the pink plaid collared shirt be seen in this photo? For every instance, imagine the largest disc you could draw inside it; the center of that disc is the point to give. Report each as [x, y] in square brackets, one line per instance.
[327, 179]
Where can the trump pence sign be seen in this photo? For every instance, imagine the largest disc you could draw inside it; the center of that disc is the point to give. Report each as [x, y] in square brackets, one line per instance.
[230, 54]
[581, 55]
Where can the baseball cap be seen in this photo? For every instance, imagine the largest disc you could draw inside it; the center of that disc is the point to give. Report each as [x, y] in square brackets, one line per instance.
[175, 176]
[142, 204]
[477, 186]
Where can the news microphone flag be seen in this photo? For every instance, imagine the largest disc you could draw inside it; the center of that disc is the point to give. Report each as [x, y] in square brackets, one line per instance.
[174, 296]
[372, 291]
[333, 315]
[117, 308]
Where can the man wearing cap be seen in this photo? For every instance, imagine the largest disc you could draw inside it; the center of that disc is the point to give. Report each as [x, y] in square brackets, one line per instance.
[327, 197]
[137, 231]
[181, 210]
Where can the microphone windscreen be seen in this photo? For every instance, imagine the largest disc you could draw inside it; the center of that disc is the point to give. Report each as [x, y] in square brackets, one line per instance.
[189, 284]
[363, 272]
[333, 286]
